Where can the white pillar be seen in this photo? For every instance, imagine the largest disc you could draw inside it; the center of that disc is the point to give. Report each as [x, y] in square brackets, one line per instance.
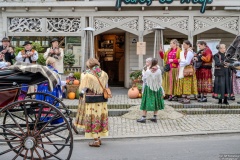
[140, 39]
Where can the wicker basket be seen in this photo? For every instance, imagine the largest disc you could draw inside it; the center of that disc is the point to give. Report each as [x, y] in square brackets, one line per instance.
[72, 88]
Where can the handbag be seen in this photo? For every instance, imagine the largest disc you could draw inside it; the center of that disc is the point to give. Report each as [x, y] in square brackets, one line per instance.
[106, 91]
[167, 68]
[198, 64]
[188, 71]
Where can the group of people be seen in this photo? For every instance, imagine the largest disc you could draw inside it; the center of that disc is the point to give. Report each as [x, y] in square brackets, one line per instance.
[179, 86]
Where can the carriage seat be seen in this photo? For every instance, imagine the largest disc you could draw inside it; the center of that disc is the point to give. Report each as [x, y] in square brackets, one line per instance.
[6, 72]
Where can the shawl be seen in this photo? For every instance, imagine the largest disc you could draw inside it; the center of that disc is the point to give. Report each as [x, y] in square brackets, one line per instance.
[90, 81]
[153, 79]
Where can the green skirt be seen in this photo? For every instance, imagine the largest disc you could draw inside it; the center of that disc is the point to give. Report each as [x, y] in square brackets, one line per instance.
[152, 100]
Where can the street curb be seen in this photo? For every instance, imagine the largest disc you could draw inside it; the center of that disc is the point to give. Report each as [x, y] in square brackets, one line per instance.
[163, 135]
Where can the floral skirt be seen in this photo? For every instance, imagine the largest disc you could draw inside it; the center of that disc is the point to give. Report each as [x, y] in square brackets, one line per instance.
[187, 86]
[96, 120]
[204, 80]
[170, 81]
[152, 100]
[79, 121]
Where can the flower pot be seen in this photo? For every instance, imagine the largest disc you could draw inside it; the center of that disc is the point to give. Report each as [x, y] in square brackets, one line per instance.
[133, 92]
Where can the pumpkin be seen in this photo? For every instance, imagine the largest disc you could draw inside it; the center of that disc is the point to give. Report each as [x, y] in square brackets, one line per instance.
[76, 82]
[71, 95]
[67, 81]
[133, 92]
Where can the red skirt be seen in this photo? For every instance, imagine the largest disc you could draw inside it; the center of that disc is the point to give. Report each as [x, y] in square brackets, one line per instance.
[204, 80]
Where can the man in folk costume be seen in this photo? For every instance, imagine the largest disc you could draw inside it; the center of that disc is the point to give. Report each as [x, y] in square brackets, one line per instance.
[27, 55]
[56, 53]
[204, 73]
[96, 111]
[6, 50]
[152, 99]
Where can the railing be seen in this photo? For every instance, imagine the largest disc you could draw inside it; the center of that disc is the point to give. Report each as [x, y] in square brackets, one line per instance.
[72, 69]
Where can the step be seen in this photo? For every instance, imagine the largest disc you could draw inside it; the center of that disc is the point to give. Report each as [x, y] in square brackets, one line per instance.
[111, 112]
[192, 111]
[110, 106]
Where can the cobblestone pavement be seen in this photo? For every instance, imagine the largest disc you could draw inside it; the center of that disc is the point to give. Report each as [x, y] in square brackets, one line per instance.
[190, 124]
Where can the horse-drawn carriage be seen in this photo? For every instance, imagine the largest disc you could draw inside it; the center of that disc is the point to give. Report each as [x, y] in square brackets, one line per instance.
[32, 129]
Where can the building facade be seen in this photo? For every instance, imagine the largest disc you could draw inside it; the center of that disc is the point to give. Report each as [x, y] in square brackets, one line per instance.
[117, 29]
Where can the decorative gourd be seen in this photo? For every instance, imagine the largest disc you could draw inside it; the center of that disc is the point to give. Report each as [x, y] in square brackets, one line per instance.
[71, 95]
[133, 92]
[70, 82]
[139, 95]
[76, 82]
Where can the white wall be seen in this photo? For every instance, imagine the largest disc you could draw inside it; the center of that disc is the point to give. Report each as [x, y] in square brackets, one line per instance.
[226, 38]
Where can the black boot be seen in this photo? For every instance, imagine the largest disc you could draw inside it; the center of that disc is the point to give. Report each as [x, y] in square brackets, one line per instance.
[142, 119]
[225, 101]
[220, 101]
[154, 119]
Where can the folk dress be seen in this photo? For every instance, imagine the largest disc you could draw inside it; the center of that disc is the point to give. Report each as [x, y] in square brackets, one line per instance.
[96, 113]
[223, 78]
[186, 85]
[204, 73]
[152, 99]
[170, 78]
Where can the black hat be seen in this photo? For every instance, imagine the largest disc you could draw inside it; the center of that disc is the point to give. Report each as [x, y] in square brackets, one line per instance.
[5, 39]
[54, 39]
[26, 43]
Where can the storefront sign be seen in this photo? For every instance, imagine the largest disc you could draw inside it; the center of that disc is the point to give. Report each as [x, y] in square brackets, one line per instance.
[149, 2]
[141, 48]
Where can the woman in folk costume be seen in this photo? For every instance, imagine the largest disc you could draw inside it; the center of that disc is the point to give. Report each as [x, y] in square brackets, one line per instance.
[223, 78]
[152, 99]
[171, 57]
[96, 111]
[204, 73]
[148, 64]
[186, 85]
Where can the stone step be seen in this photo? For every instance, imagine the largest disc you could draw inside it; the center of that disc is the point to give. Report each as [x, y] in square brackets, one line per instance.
[111, 112]
[192, 111]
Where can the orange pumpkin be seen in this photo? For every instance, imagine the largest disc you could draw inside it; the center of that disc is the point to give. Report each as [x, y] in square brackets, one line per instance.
[76, 82]
[71, 95]
[139, 95]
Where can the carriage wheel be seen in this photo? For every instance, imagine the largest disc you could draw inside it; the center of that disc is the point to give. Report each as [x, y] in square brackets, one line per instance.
[36, 130]
[62, 107]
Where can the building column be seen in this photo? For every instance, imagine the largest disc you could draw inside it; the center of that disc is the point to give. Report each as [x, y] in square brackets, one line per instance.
[140, 39]
[127, 60]
[190, 29]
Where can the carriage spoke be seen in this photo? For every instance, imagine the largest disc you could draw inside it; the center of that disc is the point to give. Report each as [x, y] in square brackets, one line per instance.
[51, 142]
[45, 126]
[60, 136]
[54, 144]
[49, 152]
[19, 152]
[38, 153]
[18, 117]
[25, 156]
[47, 114]
[31, 154]
[13, 133]
[26, 117]
[11, 149]
[51, 133]
[15, 122]
[38, 118]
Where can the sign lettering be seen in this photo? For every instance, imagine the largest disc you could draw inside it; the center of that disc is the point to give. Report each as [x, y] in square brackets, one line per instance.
[149, 2]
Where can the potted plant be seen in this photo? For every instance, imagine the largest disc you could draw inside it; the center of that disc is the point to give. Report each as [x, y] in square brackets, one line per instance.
[68, 59]
[136, 76]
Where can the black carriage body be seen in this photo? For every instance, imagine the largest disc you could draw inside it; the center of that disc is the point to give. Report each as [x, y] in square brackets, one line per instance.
[11, 82]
